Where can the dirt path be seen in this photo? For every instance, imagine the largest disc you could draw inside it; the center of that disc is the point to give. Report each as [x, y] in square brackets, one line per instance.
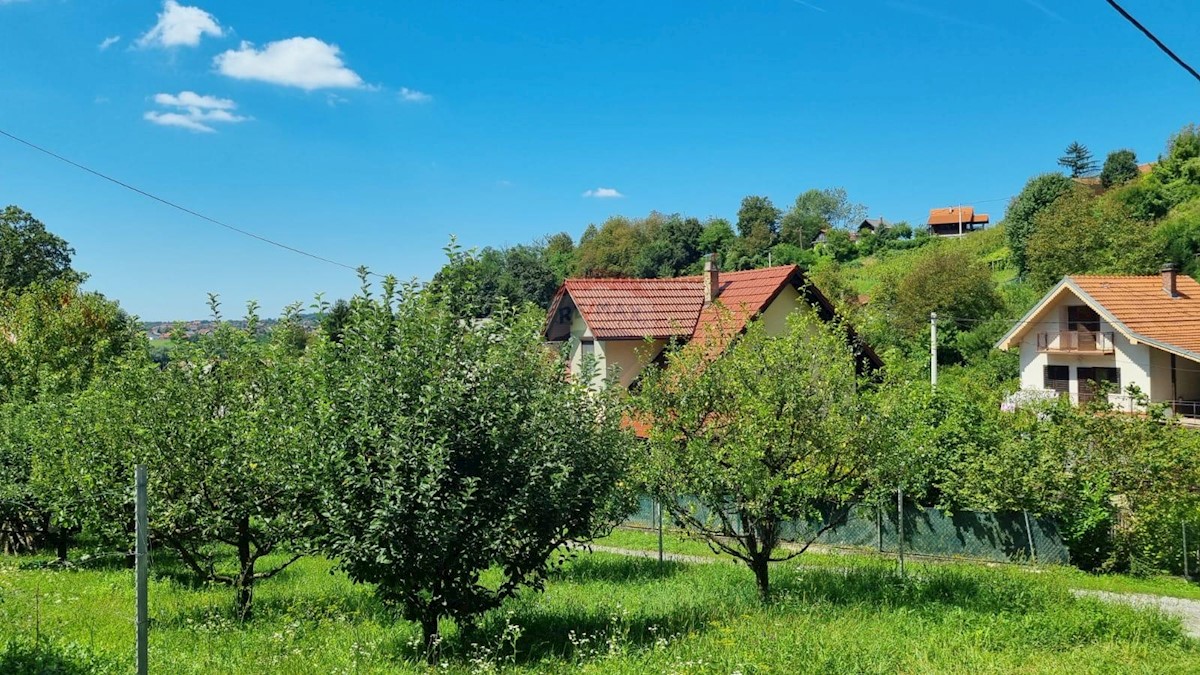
[1188, 611]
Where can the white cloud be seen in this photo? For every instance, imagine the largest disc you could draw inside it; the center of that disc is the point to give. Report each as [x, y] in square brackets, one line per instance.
[109, 41]
[603, 193]
[414, 96]
[180, 26]
[303, 62]
[190, 99]
[171, 119]
[193, 111]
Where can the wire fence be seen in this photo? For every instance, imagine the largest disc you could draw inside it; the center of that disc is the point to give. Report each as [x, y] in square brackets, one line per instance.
[895, 526]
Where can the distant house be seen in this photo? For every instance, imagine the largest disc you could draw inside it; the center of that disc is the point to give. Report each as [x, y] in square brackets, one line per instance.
[955, 220]
[873, 225]
[1123, 330]
[626, 323]
[1093, 182]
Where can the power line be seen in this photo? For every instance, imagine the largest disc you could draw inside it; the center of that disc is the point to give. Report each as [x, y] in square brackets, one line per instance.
[179, 207]
[1167, 50]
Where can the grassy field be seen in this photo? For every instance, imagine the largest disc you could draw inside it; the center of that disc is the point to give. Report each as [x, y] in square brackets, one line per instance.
[1060, 576]
[985, 246]
[601, 613]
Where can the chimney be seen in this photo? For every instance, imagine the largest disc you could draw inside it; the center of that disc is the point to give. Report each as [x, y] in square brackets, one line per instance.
[712, 279]
[1168, 280]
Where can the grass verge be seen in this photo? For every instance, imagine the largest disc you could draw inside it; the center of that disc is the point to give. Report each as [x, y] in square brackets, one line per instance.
[602, 613]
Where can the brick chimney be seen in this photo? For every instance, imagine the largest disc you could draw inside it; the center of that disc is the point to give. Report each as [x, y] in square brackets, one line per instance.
[712, 279]
[1168, 280]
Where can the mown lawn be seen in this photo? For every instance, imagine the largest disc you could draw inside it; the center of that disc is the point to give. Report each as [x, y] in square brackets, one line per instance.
[605, 613]
[1056, 575]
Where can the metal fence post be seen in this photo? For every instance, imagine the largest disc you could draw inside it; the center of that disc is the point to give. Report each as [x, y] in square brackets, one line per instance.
[879, 524]
[659, 512]
[143, 622]
[900, 528]
[1029, 536]
[1183, 525]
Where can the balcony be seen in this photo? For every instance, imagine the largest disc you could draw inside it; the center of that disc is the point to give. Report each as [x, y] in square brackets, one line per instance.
[1075, 342]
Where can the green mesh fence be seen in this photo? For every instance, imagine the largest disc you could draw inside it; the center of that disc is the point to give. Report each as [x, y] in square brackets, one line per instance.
[1003, 537]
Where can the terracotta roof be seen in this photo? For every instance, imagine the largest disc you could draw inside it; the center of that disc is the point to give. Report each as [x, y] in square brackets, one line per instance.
[617, 309]
[636, 308]
[1141, 304]
[743, 295]
[950, 215]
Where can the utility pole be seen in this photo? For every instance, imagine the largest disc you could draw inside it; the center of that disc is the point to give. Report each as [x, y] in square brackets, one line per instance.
[142, 566]
[959, 209]
[933, 350]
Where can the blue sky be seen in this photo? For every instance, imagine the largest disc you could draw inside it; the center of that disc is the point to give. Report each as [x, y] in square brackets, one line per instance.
[369, 132]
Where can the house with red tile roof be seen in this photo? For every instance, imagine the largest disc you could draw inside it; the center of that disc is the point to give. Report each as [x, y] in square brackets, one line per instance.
[955, 221]
[1125, 330]
[624, 324]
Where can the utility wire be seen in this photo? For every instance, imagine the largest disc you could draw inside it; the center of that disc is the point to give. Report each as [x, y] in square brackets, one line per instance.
[174, 205]
[1167, 50]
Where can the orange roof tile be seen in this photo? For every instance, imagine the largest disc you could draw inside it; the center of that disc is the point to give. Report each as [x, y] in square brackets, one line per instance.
[618, 309]
[1141, 304]
[743, 296]
[950, 215]
[636, 308]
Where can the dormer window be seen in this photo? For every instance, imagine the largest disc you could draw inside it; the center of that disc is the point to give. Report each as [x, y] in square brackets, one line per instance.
[1082, 317]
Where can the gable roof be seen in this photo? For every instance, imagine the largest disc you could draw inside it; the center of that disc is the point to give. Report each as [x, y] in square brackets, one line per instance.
[618, 309]
[950, 215]
[635, 309]
[1135, 306]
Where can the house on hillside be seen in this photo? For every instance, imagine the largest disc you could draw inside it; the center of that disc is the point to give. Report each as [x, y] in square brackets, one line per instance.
[1093, 182]
[955, 221]
[872, 225]
[626, 323]
[1124, 330]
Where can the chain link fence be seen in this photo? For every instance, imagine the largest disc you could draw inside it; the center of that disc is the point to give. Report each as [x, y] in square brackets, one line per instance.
[1012, 537]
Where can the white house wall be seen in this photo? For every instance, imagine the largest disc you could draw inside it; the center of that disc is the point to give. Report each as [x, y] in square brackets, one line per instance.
[1133, 360]
[625, 359]
[774, 317]
[1161, 387]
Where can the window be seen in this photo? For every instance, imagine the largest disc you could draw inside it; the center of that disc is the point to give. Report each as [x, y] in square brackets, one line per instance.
[1090, 377]
[1083, 318]
[1057, 378]
[587, 348]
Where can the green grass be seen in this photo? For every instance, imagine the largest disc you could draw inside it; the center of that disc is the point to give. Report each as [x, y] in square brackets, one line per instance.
[986, 246]
[1057, 575]
[601, 613]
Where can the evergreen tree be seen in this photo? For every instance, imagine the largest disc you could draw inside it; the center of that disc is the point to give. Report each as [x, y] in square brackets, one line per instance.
[1078, 159]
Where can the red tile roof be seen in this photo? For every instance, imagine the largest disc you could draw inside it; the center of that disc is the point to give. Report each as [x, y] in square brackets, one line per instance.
[743, 296]
[635, 308]
[619, 309]
[950, 215]
[1141, 304]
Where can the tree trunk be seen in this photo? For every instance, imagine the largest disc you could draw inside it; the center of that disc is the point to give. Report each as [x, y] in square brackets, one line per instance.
[63, 542]
[761, 576]
[245, 581]
[430, 637]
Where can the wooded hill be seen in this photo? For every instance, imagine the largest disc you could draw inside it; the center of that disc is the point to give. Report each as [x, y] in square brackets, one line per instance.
[1121, 221]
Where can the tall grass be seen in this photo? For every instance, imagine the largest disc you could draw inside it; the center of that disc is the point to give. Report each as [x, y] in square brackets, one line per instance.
[601, 613]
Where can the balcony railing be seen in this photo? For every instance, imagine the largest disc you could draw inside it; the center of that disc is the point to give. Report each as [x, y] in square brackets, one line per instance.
[1076, 342]
[1189, 409]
